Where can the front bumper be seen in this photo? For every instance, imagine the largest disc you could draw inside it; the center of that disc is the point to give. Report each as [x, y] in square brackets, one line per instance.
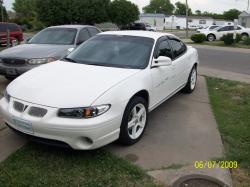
[14, 70]
[81, 134]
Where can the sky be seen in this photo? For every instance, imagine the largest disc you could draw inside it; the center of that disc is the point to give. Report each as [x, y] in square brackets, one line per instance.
[216, 6]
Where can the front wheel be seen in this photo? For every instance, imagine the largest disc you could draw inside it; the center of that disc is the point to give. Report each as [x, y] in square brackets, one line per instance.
[244, 36]
[192, 80]
[134, 121]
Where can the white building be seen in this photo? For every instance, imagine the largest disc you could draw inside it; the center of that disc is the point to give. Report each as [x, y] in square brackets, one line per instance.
[244, 19]
[156, 20]
[160, 21]
[179, 22]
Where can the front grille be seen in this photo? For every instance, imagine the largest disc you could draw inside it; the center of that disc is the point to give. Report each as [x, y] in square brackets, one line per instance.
[18, 106]
[37, 112]
[13, 61]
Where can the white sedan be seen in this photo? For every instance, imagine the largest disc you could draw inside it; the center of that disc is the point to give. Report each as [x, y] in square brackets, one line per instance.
[102, 91]
[217, 33]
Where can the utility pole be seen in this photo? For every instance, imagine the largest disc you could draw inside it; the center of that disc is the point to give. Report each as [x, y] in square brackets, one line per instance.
[186, 19]
[248, 3]
[1, 2]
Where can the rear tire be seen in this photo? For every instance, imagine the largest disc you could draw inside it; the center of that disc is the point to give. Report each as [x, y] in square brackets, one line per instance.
[192, 80]
[134, 122]
[211, 37]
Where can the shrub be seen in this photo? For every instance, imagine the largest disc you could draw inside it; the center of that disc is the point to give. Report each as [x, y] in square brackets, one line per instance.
[198, 38]
[238, 38]
[246, 41]
[228, 39]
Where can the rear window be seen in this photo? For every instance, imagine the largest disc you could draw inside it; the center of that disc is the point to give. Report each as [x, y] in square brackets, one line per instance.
[9, 26]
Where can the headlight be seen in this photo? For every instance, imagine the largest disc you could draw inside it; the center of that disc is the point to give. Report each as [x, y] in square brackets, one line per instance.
[37, 61]
[7, 96]
[85, 112]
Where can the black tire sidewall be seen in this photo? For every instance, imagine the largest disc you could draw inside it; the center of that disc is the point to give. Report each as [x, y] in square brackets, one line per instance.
[187, 88]
[124, 137]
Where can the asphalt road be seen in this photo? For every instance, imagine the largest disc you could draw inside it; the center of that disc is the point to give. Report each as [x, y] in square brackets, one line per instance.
[232, 61]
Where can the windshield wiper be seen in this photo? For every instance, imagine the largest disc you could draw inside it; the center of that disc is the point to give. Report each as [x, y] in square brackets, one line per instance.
[69, 60]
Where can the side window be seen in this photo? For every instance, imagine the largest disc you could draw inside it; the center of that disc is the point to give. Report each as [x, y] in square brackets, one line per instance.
[231, 28]
[224, 28]
[83, 36]
[165, 49]
[178, 47]
[238, 28]
[93, 31]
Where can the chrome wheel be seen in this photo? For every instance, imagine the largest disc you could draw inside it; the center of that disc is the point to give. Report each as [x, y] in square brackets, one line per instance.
[137, 121]
[193, 79]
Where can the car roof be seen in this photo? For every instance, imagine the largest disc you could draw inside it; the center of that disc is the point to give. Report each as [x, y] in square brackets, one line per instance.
[71, 26]
[148, 34]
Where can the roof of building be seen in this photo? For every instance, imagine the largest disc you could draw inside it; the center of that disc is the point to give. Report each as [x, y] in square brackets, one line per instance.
[193, 17]
[245, 13]
[148, 34]
[153, 15]
[178, 16]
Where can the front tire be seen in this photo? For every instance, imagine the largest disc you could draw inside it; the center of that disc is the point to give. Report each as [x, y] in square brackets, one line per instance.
[134, 121]
[192, 80]
[244, 36]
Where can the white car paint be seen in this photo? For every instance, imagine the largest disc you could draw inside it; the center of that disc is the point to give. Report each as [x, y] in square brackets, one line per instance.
[69, 85]
[218, 33]
[207, 28]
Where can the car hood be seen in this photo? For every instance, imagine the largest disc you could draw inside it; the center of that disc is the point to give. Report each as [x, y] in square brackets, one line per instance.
[28, 51]
[66, 85]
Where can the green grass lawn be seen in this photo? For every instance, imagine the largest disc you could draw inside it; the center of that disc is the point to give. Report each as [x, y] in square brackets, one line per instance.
[37, 165]
[231, 105]
[221, 44]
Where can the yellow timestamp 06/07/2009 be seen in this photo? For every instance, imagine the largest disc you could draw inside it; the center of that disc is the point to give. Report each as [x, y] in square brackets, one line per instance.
[216, 164]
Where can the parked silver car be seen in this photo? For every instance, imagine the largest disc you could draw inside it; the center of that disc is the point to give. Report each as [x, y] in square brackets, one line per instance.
[49, 45]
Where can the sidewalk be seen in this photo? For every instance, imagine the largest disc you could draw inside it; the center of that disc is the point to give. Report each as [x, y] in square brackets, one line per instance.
[224, 74]
[181, 131]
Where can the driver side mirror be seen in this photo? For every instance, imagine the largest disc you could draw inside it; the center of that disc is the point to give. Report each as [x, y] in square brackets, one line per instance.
[162, 61]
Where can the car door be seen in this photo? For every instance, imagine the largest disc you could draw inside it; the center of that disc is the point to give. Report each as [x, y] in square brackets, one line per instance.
[223, 31]
[180, 62]
[83, 36]
[162, 79]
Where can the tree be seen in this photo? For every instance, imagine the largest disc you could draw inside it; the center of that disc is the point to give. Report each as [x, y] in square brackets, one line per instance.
[231, 14]
[123, 12]
[58, 12]
[198, 12]
[25, 11]
[5, 15]
[159, 6]
[181, 9]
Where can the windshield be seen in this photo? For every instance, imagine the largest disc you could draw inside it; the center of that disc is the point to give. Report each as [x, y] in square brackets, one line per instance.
[56, 36]
[114, 51]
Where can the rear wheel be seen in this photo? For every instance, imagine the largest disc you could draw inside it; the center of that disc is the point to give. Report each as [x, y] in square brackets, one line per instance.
[192, 80]
[134, 121]
[211, 38]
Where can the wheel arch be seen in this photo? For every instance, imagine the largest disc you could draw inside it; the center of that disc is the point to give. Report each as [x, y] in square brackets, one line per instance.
[244, 33]
[142, 93]
[212, 34]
